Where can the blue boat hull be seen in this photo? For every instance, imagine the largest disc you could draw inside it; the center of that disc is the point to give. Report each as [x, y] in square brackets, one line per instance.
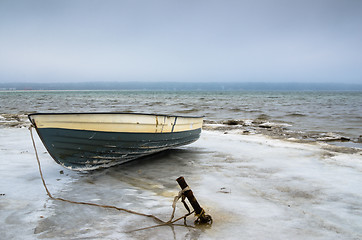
[87, 150]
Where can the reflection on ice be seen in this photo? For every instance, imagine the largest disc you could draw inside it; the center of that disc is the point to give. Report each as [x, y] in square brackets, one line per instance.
[146, 185]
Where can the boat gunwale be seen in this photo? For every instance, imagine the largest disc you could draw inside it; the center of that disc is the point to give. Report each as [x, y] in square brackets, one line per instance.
[114, 113]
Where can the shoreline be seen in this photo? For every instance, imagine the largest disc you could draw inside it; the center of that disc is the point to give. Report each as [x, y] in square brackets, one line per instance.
[242, 126]
[278, 131]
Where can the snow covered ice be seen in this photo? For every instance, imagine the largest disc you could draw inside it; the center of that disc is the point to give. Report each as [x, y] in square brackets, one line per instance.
[253, 186]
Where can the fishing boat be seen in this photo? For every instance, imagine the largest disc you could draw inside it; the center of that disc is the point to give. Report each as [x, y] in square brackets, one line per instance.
[87, 141]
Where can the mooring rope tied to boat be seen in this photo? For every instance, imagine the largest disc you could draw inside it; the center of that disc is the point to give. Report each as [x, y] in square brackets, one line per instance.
[181, 195]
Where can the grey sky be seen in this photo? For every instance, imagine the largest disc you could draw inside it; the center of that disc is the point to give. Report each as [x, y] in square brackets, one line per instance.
[189, 40]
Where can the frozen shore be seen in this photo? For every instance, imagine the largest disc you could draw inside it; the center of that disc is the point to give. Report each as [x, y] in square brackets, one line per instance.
[253, 186]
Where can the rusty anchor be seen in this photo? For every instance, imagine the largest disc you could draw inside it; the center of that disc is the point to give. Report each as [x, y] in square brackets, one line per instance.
[202, 217]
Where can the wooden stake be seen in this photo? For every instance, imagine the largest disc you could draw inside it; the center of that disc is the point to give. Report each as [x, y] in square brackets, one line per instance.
[202, 218]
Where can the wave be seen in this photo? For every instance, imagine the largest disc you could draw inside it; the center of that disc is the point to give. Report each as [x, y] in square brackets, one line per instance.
[296, 115]
[235, 109]
[193, 110]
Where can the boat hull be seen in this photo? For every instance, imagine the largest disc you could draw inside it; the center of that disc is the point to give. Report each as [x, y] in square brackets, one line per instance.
[106, 140]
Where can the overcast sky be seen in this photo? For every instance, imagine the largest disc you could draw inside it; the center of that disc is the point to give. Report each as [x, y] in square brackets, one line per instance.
[188, 40]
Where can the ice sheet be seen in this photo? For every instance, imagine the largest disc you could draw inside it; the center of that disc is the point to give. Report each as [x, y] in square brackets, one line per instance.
[253, 186]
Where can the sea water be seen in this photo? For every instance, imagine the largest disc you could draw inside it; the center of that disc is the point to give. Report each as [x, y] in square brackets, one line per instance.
[317, 113]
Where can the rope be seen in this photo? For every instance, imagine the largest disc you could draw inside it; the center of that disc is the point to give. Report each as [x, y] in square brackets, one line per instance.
[166, 223]
[180, 195]
[162, 223]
